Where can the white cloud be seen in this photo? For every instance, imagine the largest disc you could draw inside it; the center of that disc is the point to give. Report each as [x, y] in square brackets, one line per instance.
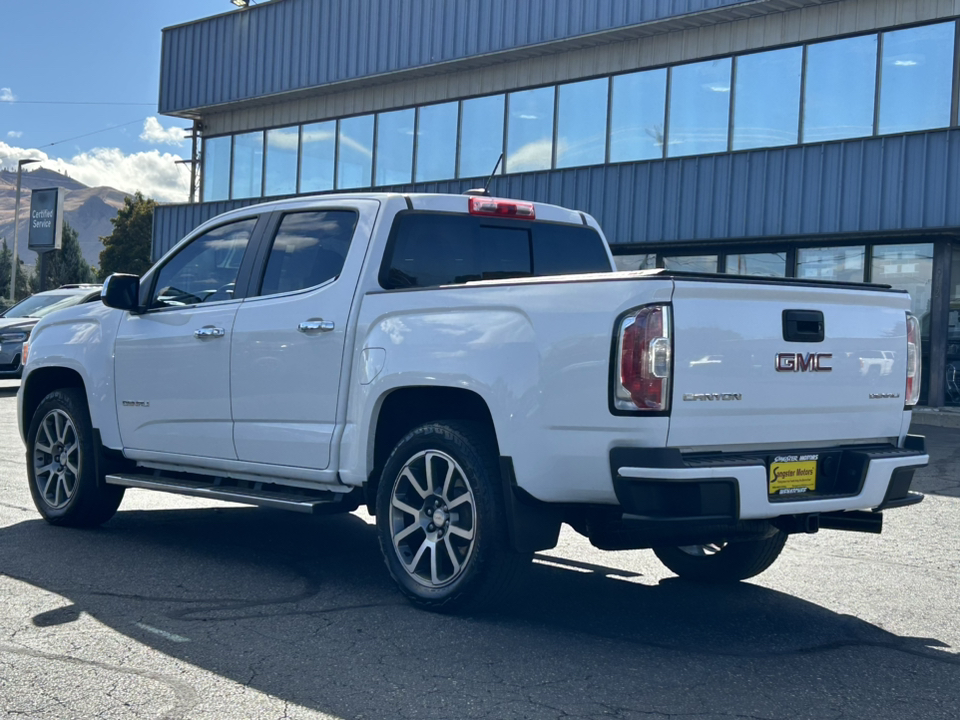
[6, 95]
[155, 134]
[153, 173]
[14, 134]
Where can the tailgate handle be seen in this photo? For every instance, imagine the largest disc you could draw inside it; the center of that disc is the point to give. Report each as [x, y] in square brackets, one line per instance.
[803, 325]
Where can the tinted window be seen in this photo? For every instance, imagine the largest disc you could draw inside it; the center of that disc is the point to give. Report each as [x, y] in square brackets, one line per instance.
[767, 99]
[308, 250]
[247, 165]
[206, 269]
[282, 147]
[840, 87]
[216, 168]
[355, 143]
[317, 155]
[637, 114]
[530, 133]
[437, 141]
[699, 108]
[831, 263]
[481, 136]
[691, 263]
[394, 147]
[438, 249]
[582, 123]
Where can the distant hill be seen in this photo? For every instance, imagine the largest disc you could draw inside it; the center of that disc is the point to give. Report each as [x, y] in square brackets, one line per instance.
[88, 210]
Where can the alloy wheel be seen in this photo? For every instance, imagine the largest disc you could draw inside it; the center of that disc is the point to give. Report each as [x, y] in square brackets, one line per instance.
[56, 459]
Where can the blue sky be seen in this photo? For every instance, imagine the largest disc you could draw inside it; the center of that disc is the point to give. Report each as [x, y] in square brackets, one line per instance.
[86, 51]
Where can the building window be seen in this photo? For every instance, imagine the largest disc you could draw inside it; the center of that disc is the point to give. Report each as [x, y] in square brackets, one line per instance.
[481, 136]
[906, 267]
[282, 147]
[530, 132]
[355, 152]
[767, 99]
[437, 141]
[318, 152]
[582, 123]
[839, 90]
[216, 168]
[916, 81]
[761, 264]
[831, 263]
[691, 263]
[394, 154]
[247, 180]
[643, 261]
[953, 334]
[637, 112]
[699, 108]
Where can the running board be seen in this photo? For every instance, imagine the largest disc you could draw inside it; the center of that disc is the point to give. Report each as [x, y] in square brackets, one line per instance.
[263, 494]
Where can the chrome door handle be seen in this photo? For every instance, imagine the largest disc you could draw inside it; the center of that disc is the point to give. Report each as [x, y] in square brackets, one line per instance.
[316, 326]
[209, 332]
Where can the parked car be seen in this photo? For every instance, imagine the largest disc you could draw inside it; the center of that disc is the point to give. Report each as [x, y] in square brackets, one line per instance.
[17, 322]
[475, 371]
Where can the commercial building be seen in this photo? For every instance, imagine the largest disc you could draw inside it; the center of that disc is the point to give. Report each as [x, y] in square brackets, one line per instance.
[807, 138]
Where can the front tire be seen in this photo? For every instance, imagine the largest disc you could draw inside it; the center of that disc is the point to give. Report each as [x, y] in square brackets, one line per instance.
[62, 464]
[441, 519]
[723, 562]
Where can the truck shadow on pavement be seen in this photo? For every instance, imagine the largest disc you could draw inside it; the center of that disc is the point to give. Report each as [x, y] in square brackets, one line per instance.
[302, 608]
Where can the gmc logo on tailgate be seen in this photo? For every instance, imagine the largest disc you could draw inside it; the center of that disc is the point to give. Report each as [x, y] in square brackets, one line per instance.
[798, 362]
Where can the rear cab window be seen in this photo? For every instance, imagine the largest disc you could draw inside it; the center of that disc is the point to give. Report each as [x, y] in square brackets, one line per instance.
[429, 249]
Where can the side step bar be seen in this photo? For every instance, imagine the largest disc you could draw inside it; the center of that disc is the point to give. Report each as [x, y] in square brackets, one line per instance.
[248, 493]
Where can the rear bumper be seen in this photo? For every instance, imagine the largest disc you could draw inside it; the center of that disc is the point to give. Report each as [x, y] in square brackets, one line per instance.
[664, 486]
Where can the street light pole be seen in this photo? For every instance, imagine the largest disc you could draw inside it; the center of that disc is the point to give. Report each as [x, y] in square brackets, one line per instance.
[16, 231]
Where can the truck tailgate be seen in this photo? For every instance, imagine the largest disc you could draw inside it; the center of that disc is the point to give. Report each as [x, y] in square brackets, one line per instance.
[739, 380]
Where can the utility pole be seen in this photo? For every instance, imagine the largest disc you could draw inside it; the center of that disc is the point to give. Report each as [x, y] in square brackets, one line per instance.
[16, 230]
[194, 161]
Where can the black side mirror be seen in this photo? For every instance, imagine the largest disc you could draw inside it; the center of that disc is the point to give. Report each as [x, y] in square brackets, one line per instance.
[121, 291]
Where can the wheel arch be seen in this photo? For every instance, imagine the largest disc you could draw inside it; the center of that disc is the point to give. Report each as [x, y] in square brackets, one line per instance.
[40, 383]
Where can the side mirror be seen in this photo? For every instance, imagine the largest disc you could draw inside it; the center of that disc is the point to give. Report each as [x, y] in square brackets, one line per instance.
[121, 291]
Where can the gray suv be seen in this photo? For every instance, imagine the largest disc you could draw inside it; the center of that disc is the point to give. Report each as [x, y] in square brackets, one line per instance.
[17, 322]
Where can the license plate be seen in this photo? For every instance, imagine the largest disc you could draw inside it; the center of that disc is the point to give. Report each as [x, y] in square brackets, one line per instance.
[793, 475]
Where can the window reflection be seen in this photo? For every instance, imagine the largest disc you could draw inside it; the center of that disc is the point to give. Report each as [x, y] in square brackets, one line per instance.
[952, 378]
[906, 267]
[637, 114]
[839, 90]
[247, 178]
[282, 147]
[691, 263]
[643, 261]
[395, 147]
[831, 263]
[582, 123]
[767, 99]
[530, 133]
[481, 136]
[437, 142]
[355, 145]
[699, 108]
[760, 264]
[216, 168]
[308, 250]
[917, 78]
[317, 156]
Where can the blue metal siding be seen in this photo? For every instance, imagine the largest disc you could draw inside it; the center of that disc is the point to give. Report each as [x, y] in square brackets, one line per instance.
[297, 44]
[882, 185]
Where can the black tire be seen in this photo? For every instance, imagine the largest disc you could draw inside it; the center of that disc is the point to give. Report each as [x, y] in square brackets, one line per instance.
[729, 562]
[62, 464]
[488, 566]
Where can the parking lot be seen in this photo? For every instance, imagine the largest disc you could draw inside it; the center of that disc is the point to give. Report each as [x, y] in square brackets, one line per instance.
[179, 608]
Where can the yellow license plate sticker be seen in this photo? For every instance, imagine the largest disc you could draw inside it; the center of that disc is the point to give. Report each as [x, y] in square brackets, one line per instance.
[793, 475]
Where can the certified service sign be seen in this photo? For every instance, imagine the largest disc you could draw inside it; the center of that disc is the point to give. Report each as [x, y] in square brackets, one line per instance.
[46, 220]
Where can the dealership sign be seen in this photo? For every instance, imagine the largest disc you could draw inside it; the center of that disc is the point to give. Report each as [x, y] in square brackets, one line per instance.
[46, 220]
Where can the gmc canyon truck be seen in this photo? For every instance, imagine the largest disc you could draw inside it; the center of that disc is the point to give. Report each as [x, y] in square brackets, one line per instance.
[475, 372]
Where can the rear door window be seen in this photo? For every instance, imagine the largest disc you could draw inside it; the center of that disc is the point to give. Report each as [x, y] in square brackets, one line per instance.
[431, 249]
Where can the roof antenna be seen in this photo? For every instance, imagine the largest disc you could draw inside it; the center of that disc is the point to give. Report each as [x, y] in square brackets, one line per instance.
[484, 191]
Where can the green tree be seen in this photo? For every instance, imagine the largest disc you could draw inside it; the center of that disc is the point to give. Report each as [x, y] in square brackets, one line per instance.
[64, 266]
[127, 248]
[22, 284]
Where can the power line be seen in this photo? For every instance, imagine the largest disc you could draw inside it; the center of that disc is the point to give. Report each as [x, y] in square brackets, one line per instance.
[73, 102]
[95, 132]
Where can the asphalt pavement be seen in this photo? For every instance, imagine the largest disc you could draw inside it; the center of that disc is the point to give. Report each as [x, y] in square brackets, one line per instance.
[182, 608]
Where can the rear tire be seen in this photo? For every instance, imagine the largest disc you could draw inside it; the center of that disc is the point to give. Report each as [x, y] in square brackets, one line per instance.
[62, 464]
[441, 519]
[723, 562]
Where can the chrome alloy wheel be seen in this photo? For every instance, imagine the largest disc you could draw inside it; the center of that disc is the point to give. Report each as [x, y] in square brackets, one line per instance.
[433, 518]
[56, 459]
[707, 550]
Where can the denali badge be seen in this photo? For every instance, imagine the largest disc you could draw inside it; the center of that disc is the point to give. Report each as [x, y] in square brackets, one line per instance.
[136, 403]
[712, 396]
[883, 396]
[798, 362]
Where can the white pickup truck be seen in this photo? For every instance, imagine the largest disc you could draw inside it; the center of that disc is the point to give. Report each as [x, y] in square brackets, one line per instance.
[475, 372]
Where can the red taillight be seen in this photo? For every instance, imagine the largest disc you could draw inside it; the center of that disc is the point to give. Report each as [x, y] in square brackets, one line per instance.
[501, 208]
[644, 360]
[913, 360]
